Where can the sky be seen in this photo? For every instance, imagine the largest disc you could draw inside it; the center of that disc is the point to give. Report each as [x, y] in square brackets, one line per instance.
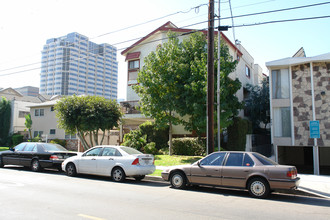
[26, 25]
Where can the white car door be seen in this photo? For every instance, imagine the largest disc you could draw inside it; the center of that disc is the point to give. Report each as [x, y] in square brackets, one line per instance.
[88, 161]
[107, 161]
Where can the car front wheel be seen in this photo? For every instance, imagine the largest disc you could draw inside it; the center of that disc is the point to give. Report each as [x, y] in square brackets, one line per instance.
[258, 188]
[71, 170]
[118, 174]
[178, 180]
[35, 166]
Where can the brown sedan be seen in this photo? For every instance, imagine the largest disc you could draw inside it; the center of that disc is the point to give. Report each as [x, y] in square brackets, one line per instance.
[245, 170]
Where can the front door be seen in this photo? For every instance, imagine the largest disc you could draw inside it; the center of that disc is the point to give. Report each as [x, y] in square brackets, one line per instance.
[88, 161]
[13, 157]
[208, 170]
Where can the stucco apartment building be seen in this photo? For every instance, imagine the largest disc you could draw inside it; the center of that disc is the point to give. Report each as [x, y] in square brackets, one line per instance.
[300, 93]
[246, 71]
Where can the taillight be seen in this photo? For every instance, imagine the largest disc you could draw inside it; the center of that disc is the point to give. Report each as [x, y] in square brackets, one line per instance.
[136, 162]
[54, 157]
[292, 173]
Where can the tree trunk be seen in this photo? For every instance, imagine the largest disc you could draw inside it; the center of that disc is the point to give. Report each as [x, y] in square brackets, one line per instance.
[91, 139]
[102, 138]
[82, 140]
[96, 137]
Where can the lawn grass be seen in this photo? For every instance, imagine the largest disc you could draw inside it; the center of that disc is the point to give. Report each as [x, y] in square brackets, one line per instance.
[4, 148]
[166, 160]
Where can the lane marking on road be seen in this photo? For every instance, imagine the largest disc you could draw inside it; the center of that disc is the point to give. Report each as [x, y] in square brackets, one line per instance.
[90, 217]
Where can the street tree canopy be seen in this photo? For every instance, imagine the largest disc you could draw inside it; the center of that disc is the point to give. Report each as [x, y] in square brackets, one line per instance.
[87, 115]
[172, 84]
[257, 104]
[5, 113]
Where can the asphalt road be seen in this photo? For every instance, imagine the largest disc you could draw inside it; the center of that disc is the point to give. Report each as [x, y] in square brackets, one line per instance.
[52, 195]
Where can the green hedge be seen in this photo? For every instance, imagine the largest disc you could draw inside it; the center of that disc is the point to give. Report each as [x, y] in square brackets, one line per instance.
[237, 134]
[188, 147]
[17, 139]
[58, 141]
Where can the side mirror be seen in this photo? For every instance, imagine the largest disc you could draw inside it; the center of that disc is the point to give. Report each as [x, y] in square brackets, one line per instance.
[12, 149]
[199, 164]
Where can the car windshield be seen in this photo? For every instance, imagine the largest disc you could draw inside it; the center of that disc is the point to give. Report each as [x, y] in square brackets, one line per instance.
[54, 147]
[130, 150]
[264, 160]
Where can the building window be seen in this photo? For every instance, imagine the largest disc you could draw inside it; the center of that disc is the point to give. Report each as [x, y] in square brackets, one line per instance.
[70, 136]
[52, 108]
[36, 112]
[280, 84]
[247, 71]
[135, 64]
[39, 112]
[132, 75]
[52, 131]
[21, 114]
[37, 133]
[282, 122]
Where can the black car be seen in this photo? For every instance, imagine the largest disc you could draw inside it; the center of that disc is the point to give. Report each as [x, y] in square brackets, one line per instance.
[35, 155]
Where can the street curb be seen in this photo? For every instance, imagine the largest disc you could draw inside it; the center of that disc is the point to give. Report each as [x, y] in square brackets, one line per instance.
[298, 192]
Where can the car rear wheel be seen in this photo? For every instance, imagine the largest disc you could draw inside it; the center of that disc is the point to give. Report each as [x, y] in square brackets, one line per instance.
[258, 188]
[71, 170]
[118, 174]
[139, 178]
[35, 166]
[178, 180]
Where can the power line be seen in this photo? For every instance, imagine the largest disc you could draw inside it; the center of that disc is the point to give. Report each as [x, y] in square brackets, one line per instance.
[280, 21]
[268, 22]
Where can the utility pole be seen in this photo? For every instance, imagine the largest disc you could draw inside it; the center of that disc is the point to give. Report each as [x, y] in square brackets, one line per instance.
[210, 79]
[218, 81]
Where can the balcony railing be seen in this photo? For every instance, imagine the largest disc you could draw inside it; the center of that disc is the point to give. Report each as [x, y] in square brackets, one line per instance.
[130, 107]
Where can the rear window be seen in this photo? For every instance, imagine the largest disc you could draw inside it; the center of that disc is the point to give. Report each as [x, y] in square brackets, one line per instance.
[264, 160]
[54, 147]
[130, 150]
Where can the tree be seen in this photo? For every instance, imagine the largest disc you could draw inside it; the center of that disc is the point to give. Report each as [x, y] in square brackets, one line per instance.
[86, 115]
[28, 123]
[193, 87]
[5, 114]
[172, 84]
[257, 104]
[158, 80]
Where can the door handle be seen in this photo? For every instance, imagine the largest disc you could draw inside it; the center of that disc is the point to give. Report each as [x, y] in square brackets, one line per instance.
[110, 158]
[93, 159]
[246, 171]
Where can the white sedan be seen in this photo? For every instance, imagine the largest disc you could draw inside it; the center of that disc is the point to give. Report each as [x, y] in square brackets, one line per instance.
[115, 161]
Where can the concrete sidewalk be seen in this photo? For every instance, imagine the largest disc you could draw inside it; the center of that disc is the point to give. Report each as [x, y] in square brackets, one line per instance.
[311, 184]
[315, 185]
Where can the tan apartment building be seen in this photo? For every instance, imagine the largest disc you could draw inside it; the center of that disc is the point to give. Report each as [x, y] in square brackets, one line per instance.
[246, 71]
[300, 93]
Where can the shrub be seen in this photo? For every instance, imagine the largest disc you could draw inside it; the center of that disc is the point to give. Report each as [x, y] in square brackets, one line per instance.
[237, 134]
[188, 146]
[37, 139]
[17, 139]
[135, 140]
[58, 141]
[150, 148]
[154, 134]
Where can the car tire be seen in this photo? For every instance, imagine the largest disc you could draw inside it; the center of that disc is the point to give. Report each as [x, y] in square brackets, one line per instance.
[118, 174]
[258, 188]
[1, 162]
[178, 180]
[139, 178]
[71, 170]
[35, 166]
